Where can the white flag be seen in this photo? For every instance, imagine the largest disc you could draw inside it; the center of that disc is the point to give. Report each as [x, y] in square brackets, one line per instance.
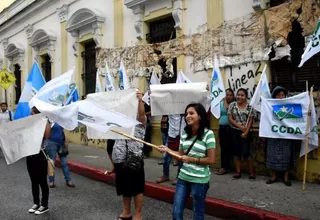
[66, 116]
[284, 118]
[313, 46]
[313, 136]
[101, 119]
[217, 89]
[124, 102]
[262, 90]
[109, 83]
[181, 78]
[154, 80]
[98, 83]
[173, 98]
[23, 137]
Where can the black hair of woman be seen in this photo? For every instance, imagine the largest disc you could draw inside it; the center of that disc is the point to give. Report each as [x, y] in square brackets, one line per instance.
[244, 91]
[230, 90]
[203, 122]
[277, 90]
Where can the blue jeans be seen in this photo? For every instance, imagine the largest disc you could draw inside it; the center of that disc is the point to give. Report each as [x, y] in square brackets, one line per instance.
[52, 149]
[165, 137]
[166, 165]
[198, 192]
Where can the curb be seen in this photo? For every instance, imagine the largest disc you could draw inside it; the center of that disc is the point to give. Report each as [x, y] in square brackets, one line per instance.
[214, 207]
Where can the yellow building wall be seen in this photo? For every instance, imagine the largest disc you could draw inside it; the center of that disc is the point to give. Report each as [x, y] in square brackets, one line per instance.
[5, 3]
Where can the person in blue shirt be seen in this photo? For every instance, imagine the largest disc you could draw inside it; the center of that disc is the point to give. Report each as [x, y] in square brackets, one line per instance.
[54, 145]
[225, 134]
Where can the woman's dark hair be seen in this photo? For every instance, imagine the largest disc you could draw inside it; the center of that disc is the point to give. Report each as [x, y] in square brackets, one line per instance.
[243, 90]
[35, 110]
[230, 90]
[203, 123]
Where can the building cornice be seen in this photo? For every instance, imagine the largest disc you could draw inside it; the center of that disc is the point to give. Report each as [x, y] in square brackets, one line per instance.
[133, 3]
[16, 15]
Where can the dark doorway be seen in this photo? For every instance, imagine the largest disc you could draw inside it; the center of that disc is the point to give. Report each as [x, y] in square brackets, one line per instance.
[46, 67]
[17, 75]
[89, 69]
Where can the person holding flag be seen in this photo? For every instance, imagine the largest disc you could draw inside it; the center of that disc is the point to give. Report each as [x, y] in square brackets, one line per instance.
[280, 153]
[241, 116]
[37, 166]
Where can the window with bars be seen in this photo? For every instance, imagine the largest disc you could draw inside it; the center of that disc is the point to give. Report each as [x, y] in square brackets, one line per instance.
[161, 31]
[89, 69]
[286, 72]
[46, 67]
[17, 75]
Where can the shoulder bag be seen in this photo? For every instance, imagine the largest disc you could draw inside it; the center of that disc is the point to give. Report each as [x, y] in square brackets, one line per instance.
[133, 162]
[51, 167]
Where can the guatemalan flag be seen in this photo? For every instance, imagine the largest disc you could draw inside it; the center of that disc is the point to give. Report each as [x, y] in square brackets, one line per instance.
[33, 84]
[123, 78]
[73, 96]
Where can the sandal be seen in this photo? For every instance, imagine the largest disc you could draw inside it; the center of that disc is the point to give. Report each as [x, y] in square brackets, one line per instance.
[124, 218]
[109, 172]
[162, 179]
[287, 183]
[71, 185]
[221, 172]
[52, 185]
[270, 181]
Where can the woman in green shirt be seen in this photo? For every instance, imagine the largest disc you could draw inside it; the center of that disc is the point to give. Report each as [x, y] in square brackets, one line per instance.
[197, 150]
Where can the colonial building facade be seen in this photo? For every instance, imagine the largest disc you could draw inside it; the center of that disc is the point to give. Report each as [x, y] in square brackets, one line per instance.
[162, 36]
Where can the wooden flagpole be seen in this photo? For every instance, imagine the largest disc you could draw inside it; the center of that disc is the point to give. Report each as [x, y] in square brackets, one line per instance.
[144, 142]
[307, 140]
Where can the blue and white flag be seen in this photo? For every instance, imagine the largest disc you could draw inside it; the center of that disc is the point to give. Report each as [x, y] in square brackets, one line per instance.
[56, 91]
[73, 95]
[217, 89]
[98, 83]
[109, 83]
[123, 78]
[285, 118]
[262, 90]
[33, 84]
[313, 46]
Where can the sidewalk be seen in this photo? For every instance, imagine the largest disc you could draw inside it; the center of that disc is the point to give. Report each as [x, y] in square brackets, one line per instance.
[241, 199]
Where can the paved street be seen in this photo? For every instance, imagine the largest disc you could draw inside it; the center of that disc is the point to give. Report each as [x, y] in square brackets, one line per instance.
[277, 197]
[90, 200]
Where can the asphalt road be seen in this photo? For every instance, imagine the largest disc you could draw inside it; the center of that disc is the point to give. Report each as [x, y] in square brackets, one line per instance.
[89, 200]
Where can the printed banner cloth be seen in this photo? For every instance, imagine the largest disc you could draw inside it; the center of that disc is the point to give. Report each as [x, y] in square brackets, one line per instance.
[23, 137]
[173, 98]
[121, 101]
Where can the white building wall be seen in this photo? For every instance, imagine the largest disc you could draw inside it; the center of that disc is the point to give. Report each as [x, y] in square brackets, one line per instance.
[129, 32]
[195, 17]
[237, 8]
